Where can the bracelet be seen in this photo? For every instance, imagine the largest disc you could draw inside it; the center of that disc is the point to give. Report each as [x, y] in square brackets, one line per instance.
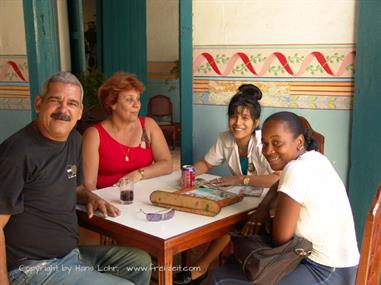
[141, 172]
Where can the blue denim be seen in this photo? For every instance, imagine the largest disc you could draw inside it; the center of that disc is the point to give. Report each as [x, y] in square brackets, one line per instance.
[93, 265]
[307, 272]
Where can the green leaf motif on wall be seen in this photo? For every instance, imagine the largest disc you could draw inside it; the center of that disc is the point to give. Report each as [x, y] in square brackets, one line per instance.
[312, 69]
[205, 68]
[350, 67]
[276, 69]
[241, 69]
[10, 75]
[221, 58]
[257, 58]
[335, 57]
[295, 58]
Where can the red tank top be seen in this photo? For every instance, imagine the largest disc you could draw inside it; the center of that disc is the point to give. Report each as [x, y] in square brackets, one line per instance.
[113, 164]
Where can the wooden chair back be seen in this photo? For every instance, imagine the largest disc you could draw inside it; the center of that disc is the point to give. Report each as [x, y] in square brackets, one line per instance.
[160, 108]
[315, 135]
[370, 259]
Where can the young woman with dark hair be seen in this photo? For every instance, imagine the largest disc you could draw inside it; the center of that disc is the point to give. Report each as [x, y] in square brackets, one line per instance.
[311, 202]
[241, 148]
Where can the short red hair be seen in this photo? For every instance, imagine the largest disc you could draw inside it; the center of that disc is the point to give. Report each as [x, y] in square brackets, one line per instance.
[120, 81]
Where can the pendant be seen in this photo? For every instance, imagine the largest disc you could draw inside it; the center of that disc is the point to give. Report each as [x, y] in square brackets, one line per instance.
[251, 167]
[126, 153]
[143, 144]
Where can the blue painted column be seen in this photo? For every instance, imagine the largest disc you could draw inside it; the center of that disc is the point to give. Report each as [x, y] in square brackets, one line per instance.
[365, 166]
[123, 38]
[41, 42]
[186, 102]
[77, 38]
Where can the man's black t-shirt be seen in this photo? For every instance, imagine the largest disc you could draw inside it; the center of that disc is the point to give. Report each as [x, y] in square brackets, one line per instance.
[38, 178]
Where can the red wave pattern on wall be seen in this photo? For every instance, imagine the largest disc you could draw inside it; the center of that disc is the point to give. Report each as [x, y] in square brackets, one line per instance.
[13, 65]
[348, 59]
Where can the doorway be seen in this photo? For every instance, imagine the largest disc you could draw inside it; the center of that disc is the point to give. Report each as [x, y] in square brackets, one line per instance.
[162, 45]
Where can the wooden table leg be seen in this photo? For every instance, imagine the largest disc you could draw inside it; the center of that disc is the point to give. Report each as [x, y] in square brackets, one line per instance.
[165, 265]
[186, 258]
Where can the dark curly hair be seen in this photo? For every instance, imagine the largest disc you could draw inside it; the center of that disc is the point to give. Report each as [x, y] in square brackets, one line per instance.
[247, 96]
[296, 127]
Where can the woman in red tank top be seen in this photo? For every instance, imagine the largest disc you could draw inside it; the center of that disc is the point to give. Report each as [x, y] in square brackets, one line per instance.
[123, 145]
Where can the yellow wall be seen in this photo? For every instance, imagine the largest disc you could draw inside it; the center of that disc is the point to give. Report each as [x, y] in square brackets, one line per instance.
[12, 32]
[249, 22]
[162, 30]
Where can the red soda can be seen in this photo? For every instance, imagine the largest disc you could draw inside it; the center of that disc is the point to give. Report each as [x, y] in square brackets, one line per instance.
[187, 176]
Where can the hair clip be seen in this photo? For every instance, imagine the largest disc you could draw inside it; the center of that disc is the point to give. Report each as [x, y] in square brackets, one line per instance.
[162, 215]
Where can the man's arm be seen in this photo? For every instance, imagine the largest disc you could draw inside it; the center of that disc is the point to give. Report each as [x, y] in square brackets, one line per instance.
[3, 259]
[94, 202]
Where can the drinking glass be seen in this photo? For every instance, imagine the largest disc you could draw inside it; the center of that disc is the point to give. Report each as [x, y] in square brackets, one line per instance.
[126, 189]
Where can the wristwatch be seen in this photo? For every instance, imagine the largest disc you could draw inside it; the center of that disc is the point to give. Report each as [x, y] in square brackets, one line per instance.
[246, 180]
[141, 171]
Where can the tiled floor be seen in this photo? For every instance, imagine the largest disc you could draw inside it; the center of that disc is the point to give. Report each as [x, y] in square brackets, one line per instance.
[176, 158]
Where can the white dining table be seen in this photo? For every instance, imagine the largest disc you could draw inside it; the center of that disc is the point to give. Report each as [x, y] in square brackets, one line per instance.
[166, 238]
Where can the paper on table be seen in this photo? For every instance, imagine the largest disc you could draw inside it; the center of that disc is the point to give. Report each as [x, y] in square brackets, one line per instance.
[252, 191]
[247, 191]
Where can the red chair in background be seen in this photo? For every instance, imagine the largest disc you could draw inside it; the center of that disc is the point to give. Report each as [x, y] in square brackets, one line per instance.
[315, 135]
[160, 109]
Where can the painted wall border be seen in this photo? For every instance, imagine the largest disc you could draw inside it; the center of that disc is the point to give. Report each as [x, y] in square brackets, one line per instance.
[290, 76]
[14, 83]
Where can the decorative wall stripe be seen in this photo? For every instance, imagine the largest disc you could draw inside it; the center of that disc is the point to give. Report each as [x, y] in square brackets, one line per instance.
[14, 82]
[274, 65]
[15, 103]
[317, 77]
[277, 94]
[14, 68]
[321, 88]
[14, 91]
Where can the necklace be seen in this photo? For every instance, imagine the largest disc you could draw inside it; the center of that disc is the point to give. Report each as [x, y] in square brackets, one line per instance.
[126, 153]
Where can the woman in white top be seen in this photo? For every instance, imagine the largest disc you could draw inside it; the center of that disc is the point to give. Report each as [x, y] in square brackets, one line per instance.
[240, 147]
[311, 202]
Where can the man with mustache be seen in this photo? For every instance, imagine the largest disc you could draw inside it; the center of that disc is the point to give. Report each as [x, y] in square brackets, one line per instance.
[40, 184]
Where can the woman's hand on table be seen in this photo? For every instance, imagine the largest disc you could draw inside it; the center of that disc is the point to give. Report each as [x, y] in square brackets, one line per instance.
[227, 181]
